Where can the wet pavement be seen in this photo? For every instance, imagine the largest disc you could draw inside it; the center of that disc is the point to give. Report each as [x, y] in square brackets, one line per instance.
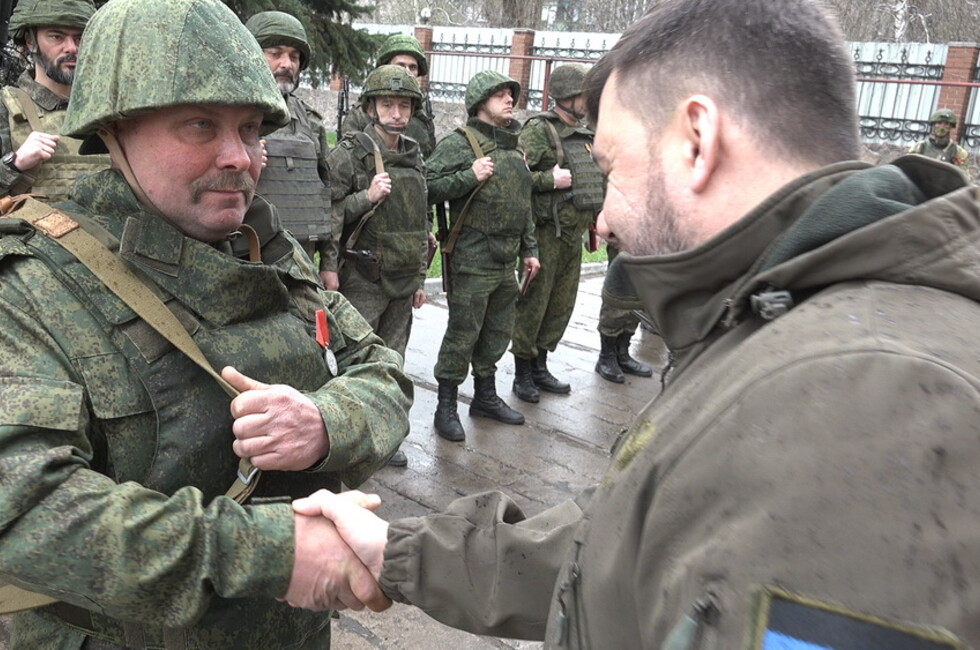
[561, 449]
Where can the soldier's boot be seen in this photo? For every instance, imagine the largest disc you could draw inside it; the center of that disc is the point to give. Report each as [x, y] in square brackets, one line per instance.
[628, 364]
[399, 459]
[608, 363]
[524, 386]
[447, 419]
[487, 404]
[543, 378]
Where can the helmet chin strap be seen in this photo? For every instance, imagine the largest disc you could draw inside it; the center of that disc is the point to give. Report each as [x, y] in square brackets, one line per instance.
[578, 116]
[392, 130]
[119, 157]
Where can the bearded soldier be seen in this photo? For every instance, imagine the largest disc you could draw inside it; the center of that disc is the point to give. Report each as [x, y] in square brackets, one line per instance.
[295, 177]
[939, 144]
[35, 158]
[118, 436]
[567, 197]
[405, 51]
[380, 218]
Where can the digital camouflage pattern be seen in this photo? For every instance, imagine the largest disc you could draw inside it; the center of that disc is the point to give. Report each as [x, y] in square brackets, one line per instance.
[55, 176]
[485, 83]
[497, 230]
[272, 28]
[57, 13]
[396, 233]
[567, 80]
[403, 44]
[125, 75]
[95, 410]
[391, 81]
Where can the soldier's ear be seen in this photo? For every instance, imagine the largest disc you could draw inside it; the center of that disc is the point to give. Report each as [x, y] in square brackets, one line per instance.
[701, 130]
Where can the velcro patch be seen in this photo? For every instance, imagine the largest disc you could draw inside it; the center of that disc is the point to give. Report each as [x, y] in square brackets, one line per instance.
[786, 621]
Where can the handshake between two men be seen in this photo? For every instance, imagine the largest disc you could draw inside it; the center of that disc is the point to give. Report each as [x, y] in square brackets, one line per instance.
[340, 546]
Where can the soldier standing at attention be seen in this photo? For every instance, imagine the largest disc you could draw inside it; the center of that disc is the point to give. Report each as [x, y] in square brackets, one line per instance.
[295, 177]
[380, 217]
[939, 144]
[405, 51]
[567, 197]
[481, 171]
[117, 441]
[35, 158]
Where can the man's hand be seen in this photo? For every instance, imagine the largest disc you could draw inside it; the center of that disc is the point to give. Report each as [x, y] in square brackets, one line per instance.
[562, 176]
[364, 532]
[276, 427]
[419, 298]
[330, 280]
[483, 168]
[37, 148]
[326, 572]
[531, 267]
[380, 187]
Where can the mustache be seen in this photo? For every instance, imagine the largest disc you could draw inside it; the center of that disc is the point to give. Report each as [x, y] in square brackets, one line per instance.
[67, 57]
[224, 182]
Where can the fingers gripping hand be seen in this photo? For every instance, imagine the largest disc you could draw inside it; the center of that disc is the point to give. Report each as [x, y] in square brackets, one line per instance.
[380, 187]
[483, 168]
[276, 426]
[563, 177]
[37, 148]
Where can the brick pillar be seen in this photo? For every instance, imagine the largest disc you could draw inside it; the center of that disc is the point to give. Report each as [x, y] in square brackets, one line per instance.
[960, 62]
[423, 34]
[520, 69]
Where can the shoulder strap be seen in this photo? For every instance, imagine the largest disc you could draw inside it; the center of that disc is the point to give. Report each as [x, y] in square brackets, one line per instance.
[28, 107]
[458, 219]
[556, 139]
[379, 168]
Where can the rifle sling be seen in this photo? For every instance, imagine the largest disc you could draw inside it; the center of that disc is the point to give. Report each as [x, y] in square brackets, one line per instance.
[458, 221]
[379, 168]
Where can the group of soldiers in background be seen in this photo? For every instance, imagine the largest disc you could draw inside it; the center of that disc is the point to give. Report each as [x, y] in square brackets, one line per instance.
[363, 209]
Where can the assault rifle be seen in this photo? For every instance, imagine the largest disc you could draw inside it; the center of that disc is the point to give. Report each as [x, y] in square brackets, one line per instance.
[442, 236]
[343, 104]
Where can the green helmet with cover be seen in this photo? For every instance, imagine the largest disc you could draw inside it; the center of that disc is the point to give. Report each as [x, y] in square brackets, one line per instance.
[486, 83]
[272, 28]
[53, 13]
[567, 80]
[391, 81]
[140, 56]
[943, 115]
[403, 44]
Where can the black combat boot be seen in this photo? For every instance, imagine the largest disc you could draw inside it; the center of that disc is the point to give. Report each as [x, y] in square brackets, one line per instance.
[486, 403]
[608, 364]
[524, 386]
[630, 365]
[447, 419]
[543, 379]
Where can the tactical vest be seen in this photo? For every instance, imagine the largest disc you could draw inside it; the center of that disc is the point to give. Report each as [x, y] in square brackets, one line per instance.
[397, 232]
[291, 178]
[55, 176]
[573, 150]
[952, 153]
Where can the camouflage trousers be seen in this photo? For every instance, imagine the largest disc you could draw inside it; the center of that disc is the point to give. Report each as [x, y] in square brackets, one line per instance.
[481, 321]
[544, 311]
[391, 318]
[613, 321]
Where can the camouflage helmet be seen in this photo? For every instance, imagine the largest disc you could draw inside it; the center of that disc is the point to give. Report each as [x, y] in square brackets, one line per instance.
[403, 44]
[391, 81]
[272, 28]
[567, 81]
[483, 85]
[943, 115]
[56, 13]
[142, 55]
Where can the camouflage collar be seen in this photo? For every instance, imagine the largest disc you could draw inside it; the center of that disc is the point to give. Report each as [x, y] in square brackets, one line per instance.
[42, 96]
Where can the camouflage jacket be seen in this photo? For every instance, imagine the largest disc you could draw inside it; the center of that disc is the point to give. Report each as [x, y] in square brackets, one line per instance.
[420, 128]
[115, 449]
[498, 226]
[951, 152]
[539, 146]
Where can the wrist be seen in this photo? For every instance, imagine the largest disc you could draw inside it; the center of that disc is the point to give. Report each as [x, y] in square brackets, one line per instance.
[9, 160]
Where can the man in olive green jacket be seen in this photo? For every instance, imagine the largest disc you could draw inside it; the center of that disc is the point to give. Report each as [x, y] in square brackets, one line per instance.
[807, 478]
[116, 448]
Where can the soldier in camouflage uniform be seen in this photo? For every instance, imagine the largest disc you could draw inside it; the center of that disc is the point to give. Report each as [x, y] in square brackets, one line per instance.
[616, 329]
[295, 178]
[116, 449]
[495, 230]
[939, 144]
[380, 215]
[405, 51]
[35, 158]
[567, 197]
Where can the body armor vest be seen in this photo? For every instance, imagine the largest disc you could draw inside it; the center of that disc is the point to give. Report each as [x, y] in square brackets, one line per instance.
[397, 232]
[291, 179]
[573, 149]
[54, 177]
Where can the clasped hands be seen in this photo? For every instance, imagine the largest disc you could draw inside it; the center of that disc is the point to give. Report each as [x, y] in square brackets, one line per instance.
[340, 546]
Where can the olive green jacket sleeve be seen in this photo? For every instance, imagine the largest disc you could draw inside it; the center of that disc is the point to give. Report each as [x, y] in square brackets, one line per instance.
[348, 190]
[73, 533]
[482, 565]
[449, 172]
[536, 141]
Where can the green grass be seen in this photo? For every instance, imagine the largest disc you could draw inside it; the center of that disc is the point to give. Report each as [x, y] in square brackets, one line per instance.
[435, 271]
